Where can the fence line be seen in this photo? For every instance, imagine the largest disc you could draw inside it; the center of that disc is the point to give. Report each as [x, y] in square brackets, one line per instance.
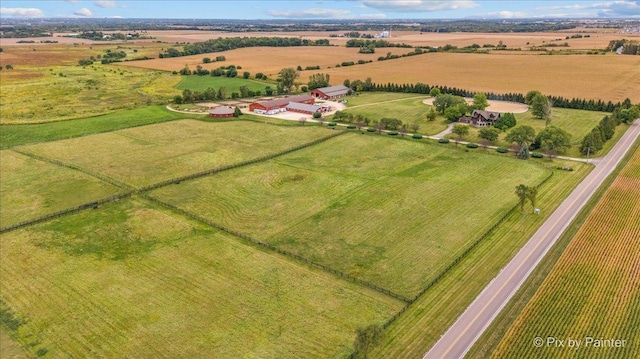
[275, 249]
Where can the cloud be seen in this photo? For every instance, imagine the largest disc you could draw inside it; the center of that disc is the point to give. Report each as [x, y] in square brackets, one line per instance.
[624, 8]
[21, 12]
[83, 12]
[314, 13]
[412, 6]
[106, 3]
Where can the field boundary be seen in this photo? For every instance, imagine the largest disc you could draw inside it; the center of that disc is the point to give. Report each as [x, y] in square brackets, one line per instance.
[275, 249]
[130, 190]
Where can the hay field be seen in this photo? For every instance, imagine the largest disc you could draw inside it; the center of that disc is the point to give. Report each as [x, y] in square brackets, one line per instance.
[132, 279]
[593, 289]
[270, 60]
[376, 208]
[606, 77]
[148, 154]
[31, 188]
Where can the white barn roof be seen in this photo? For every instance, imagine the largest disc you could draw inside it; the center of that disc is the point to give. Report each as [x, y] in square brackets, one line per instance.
[332, 91]
[302, 107]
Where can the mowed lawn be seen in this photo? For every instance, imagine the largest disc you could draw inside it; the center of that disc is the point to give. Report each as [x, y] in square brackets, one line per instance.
[593, 291]
[388, 211]
[134, 280]
[201, 83]
[409, 109]
[150, 154]
[31, 188]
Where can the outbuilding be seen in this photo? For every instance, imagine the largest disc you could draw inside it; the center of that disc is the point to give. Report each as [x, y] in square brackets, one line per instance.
[274, 106]
[221, 112]
[331, 92]
[302, 108]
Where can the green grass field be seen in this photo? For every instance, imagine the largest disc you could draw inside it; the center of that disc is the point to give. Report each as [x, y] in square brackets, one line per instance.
[430, 316]
[31, 188]
[373, 98]
[409, 109]
[376, 208]
[131, 279]
[14, 135]
[73, 92]
[149, 154]
[201, 83]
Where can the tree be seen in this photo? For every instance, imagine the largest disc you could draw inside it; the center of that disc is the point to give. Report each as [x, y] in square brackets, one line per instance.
[316, 115]
[415, 127]
[434, 92]
[505, 122]
[317, 81]
[489, 134]
[432, 114]
[287, 78]
[222, 93]
[367, 338]
[528, 98]
[268, 91]
[444, 101]
[541, 107]
[532, 194]
[185, 70]
[460, 130]
[628, 115]
[522, 192]
[591, 143]
[206, 60]
[403, 130]
[360, 125]
[237, 112]
[246, 74]
[554, 139]
[302, 120]
[452, 113]
[379, 127]
[522, 135]
[480, 101]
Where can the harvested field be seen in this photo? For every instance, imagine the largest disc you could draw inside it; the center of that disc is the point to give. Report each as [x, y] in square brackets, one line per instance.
[375, 208]
[606, 77]
[31, 188]
[149, 154]
[133, 278]
[593, 289]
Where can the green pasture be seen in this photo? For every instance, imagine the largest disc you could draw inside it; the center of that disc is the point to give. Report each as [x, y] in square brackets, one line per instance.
[73, 92]
[132, 279]
[409, 110]
[433, 313]
[31, 188]
[391, 212]
[14, 135]
[148, 154]
[201, 83]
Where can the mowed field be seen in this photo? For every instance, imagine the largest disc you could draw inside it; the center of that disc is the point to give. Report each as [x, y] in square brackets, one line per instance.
[31, 188]
[134, 280]
[391, 212]
[148, 154]
[593, 289]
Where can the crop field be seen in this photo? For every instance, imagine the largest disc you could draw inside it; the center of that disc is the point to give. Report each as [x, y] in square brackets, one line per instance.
[409, 110]
[72, 92]
[592, 291]
[132, 279]
[201, 83]
[372, 207]
[149, 154]
[31, 188]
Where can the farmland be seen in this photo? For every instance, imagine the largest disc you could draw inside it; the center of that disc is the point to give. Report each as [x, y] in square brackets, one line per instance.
[358, 203]
[148, 154]
[592, 290]
[150, 281]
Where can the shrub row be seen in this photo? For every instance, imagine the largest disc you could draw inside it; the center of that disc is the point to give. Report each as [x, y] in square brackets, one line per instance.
[536, 155]
[502, 150]
[443, 140]
[472, 145]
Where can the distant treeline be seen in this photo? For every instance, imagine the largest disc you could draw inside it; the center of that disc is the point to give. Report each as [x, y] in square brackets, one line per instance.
[629, 47]
[374, 43]
[558, 101]
[230, 43]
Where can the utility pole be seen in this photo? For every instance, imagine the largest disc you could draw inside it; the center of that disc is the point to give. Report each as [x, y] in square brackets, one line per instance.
[588, 151]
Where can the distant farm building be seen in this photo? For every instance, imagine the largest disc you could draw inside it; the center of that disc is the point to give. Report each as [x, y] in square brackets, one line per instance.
[480, 118]
[274, 106]
[303, 108]
[329, 93]
[221, 112]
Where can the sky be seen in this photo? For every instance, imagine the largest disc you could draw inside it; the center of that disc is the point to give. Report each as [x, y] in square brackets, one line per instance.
[317, 9]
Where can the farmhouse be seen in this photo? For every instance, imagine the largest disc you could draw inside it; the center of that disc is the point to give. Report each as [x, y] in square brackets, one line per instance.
[274, 106]
[332, 92]
[221, 112]
[480, 118]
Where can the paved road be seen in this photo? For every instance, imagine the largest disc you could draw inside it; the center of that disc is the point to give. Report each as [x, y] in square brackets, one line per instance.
[465, 331]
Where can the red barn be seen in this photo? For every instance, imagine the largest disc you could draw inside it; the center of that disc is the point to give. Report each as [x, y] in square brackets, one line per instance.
[221, 112]
[329, 93]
